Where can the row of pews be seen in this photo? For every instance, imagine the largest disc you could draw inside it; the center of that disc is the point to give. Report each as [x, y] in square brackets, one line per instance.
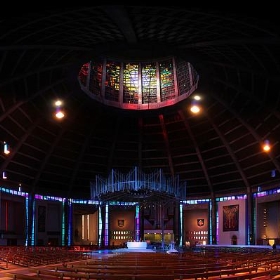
[232, 264]
[37, 255]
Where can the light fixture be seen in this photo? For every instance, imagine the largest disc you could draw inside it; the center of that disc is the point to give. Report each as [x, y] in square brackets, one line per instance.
[195, 109]
[266, 146]
[58, 103]
[197, 97]
[59, 113]
[6, 148]
[195, 104]
[4, 175]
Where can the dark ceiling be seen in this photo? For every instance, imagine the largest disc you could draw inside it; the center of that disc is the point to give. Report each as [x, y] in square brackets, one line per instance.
[235, 52]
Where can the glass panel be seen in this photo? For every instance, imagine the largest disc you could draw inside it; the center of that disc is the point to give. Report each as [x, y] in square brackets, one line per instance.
[149, 83]
[167, 80]
[112, 81]
[130, 83]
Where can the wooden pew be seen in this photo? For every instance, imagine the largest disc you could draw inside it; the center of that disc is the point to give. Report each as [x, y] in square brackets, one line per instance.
[112, 269]
[80, 274]
[194, 274]
[152, 277]
[21, 276]
[260, 275]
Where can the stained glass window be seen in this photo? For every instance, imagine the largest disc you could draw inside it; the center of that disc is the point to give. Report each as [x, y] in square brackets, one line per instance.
[149, 83]
[130, 83]
[95, 78]
[112, 81]
[139, 85]
[167, 80]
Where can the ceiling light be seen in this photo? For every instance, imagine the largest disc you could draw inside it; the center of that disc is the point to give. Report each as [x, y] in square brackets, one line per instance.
[195, 109]
[266, 146]
[58, 103]
[195, 105]
[6, 148]
[59, 114]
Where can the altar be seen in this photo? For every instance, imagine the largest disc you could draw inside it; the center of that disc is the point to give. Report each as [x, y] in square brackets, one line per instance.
[136, 245]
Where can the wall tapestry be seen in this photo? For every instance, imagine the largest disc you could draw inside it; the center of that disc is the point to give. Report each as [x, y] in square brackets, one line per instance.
[230, 217]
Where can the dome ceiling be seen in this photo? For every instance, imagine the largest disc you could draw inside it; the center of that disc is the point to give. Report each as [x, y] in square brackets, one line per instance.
[217, 152]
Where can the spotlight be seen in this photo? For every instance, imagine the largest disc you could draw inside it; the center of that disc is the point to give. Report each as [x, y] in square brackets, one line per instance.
[59, 113]
[195, 104]
[58, 103]
[195, 109]
[266, 146]
[6, 148]
[197, 97]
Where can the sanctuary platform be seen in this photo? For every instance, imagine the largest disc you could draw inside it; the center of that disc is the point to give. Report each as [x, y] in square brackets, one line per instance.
[136, 245]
